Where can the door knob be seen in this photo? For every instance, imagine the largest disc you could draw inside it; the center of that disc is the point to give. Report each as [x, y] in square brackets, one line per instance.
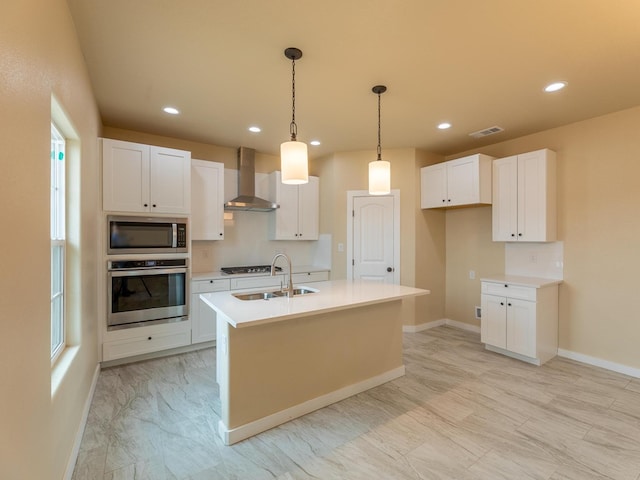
[389, 269]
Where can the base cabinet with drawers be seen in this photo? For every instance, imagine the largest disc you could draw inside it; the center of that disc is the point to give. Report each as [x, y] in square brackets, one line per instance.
[131, 342]
[203, 319]
[520, 317]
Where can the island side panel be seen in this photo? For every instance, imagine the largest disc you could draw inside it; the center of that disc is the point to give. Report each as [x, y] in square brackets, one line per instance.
[276, 366]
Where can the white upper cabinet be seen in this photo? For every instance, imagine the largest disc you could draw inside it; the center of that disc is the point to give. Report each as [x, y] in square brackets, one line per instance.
[524, 197]
[464, 181]
[141, 178]
[207, 200]
[298, 217]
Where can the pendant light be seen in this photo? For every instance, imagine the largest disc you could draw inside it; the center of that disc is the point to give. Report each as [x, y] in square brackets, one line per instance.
[294, 165]
[379, 170]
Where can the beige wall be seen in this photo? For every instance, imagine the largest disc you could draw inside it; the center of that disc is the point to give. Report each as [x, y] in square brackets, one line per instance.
[40, 57]
[598, 198]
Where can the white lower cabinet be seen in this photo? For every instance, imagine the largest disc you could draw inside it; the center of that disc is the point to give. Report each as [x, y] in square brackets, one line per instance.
[520, 321]
[203, 318]
[130, 342]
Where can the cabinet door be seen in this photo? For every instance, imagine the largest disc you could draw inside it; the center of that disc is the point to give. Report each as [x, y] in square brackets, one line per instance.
[284, 223]
[125, 176]
[536, 217]
[309, 210]
[203, 321]
[433, 186]
[493, 329]
[170, 180]
[521, 327]
[207, 200]
[463, 185]
[505, 199]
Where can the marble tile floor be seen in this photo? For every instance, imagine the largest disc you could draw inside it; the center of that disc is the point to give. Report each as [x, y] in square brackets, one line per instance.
[460, 412]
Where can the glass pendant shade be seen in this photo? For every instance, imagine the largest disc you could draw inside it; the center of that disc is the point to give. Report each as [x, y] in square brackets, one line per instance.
[379, 177]
[294, 166]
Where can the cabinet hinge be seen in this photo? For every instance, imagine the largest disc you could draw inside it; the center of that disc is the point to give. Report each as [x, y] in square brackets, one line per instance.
[353, 262]
[353, 213]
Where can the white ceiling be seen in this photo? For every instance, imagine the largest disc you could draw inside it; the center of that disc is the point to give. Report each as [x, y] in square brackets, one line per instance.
[474, 63]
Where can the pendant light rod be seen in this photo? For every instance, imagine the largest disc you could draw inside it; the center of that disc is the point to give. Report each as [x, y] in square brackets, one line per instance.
[293, 54]
[379, 90]
[294, 158]
[379, 170]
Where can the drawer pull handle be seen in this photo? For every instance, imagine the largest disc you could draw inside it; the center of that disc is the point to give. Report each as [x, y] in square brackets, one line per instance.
[149, 338]
[508, 304]
[506, 285]
[502, 303]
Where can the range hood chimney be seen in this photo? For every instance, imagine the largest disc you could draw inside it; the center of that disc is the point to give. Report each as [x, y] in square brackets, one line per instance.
[246, 199]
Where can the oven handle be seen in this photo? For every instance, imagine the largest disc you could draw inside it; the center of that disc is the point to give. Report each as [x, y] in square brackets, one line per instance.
[145, 271]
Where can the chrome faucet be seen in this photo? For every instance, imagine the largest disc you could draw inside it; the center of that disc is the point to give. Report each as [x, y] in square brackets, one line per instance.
[289, 289]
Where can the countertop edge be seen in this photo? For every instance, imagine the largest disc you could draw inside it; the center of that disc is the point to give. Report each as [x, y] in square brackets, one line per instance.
[520, 280]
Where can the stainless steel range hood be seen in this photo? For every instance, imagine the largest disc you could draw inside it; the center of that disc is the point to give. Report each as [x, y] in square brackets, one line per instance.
[246, 199]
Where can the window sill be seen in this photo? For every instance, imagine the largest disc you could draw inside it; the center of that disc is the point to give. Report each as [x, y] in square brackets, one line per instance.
[61, 367]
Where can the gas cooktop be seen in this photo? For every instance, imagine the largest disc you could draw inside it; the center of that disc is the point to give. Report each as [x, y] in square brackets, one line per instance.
[248, 269]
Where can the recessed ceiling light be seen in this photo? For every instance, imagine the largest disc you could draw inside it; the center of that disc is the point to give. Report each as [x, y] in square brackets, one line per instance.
[315, 143]
[444, 125]
[555, 86]
[255, 129]
[171, 110]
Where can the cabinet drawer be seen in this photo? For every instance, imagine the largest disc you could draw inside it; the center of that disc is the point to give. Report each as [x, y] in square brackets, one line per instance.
[509, 290]
[256, 282]
[206, 286]
[144, 344]
[310, 277]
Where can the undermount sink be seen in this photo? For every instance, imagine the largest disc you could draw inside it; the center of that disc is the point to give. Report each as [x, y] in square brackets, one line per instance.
[273, 294]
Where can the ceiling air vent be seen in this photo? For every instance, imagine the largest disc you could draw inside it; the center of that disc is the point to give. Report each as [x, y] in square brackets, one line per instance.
[486, 131]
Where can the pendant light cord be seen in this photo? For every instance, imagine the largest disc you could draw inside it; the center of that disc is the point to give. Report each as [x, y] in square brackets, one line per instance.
[379, 147]
[293, 128]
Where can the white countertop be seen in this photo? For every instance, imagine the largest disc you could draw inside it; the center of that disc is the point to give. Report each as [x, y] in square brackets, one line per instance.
[332, 295]
[217, 274]
[535, 282]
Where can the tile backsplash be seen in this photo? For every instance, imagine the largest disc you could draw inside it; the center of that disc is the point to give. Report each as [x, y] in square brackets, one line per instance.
[544, 260]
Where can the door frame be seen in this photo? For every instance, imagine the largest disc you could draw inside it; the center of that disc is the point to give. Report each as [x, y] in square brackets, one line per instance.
[395, 193]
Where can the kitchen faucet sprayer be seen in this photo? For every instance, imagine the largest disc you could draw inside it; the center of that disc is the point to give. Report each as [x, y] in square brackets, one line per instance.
[289, 289]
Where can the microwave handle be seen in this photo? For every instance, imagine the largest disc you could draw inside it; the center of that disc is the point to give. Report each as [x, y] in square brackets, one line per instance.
[174, 241]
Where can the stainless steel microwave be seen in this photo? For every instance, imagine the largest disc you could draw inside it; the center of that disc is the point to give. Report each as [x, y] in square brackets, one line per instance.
[142, 235]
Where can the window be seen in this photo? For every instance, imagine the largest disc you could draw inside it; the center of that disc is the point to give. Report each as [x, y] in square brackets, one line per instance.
[58, 242]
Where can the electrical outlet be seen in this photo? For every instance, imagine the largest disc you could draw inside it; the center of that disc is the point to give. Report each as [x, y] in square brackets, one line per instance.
[478, 313]
[341, 247]
[533, 258]
[472, 274]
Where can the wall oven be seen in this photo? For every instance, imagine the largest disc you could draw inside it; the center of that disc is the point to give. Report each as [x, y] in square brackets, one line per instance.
[146, 235]
[147, 291]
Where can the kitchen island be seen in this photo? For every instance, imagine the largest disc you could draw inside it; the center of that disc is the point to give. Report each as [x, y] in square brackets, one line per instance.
[282, 358]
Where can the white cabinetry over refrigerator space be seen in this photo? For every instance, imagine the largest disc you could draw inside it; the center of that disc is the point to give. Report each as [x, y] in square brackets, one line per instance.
[207, 200]
[524, 197]
[298, 217]
[464, 181]
[139, 178]
[520, 320]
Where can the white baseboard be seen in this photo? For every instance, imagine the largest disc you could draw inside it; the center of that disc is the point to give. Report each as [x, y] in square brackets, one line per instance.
[73, 457]
[234, 435]
[439, 323]
[579, 357]
[422, 326]
[598, 362]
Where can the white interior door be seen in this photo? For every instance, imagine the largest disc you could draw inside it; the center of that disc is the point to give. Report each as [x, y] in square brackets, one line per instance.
[373, 239]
